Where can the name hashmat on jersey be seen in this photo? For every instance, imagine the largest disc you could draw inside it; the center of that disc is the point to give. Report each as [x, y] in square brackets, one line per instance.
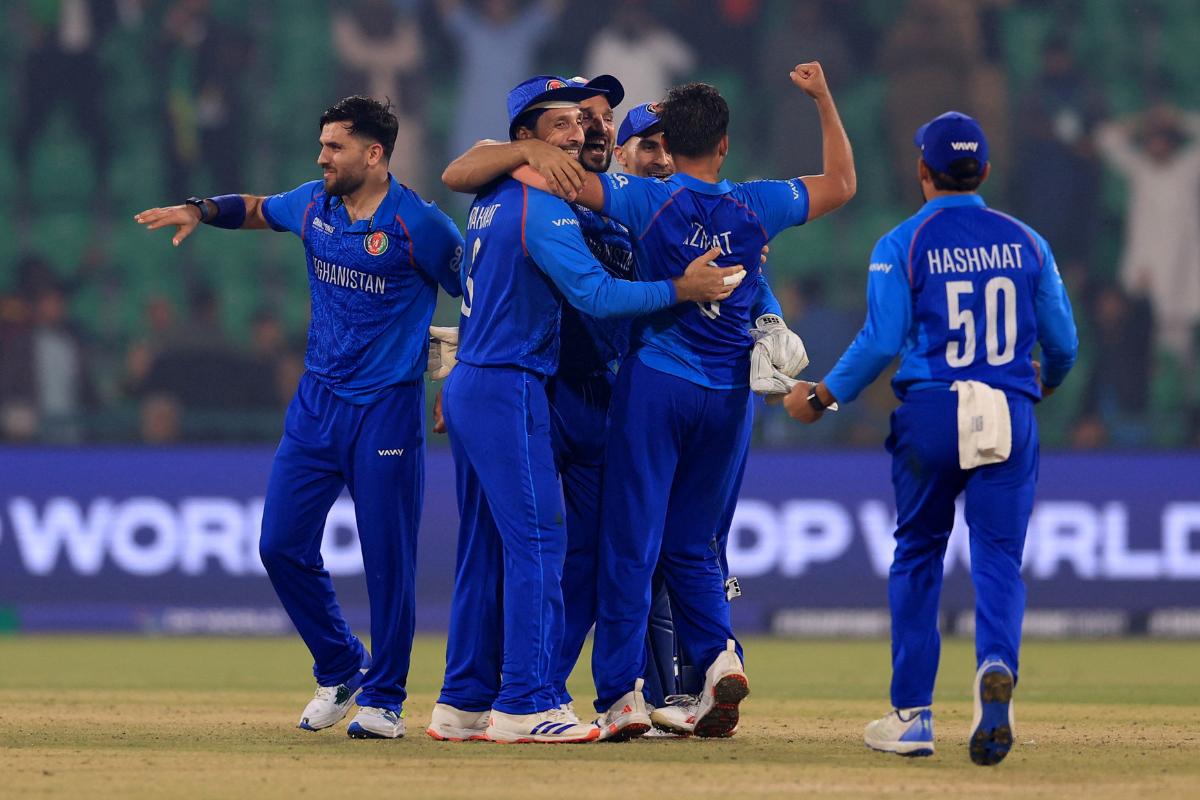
[974, 259]
[482, 216]
[348, 278]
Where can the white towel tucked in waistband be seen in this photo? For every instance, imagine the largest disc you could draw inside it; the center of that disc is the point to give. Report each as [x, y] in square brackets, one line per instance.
[984, 424]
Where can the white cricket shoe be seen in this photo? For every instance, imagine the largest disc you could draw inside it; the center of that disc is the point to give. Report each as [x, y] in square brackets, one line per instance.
[628, 718]
[545, 726]
[725, 686]
[568, 712]
[449, 724]
[905, 732]
[678, 716]
[329, 705]
[376, 723]
[992, 728]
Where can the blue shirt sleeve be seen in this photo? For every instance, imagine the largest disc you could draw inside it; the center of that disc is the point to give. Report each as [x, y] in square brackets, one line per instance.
[1055, 323]
[889, 316]
[437, 244]
[633, 201]
[555, 242]
[779, 204]
[285, 211]
[765, 301]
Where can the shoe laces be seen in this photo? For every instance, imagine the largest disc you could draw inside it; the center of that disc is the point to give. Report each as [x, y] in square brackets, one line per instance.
[682, 699]
[566, 712]
[562, 715]
[328, 693]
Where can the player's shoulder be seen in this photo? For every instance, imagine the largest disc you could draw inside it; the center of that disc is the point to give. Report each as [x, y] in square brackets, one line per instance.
[624, 182]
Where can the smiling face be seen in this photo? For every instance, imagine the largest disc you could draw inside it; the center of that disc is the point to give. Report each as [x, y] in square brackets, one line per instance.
[646, 157]
[561, 127]
[345, 158]
[599, 132]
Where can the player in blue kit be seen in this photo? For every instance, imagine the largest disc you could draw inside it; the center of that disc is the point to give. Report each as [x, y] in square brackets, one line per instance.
[961, 293]
[526, 255]
[591, 349]
[376, 254]
[679, 424]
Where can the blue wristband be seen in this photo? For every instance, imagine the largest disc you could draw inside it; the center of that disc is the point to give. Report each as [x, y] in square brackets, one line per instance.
[231, 211]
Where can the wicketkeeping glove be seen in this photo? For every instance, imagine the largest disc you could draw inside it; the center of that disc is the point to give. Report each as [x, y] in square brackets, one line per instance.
[443, 351]
[778, 356]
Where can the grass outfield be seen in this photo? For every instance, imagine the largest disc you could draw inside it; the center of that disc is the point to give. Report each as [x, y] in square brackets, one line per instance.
[138, 717]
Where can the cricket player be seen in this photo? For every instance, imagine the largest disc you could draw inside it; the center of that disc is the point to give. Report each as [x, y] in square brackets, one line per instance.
[591, 349]
[376, 254]
[526, 254]
[961, 293]
[679, 424]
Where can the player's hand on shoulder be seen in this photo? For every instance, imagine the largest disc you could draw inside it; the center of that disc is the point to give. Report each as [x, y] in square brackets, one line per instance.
[811, 78]
[704, 282]
[564, 175]
[185, 218]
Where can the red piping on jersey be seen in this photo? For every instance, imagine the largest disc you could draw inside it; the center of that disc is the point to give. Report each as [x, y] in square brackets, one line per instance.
[754, 216]
[663, 208]
[524, 210]
[1016, 222]
[304, 220]
[912, 244]
[412, 262]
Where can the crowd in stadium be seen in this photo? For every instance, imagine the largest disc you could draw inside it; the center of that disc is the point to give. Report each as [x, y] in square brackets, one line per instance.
[106, 334]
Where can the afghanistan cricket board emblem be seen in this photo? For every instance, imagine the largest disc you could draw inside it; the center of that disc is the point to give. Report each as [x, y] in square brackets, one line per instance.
[376, 243]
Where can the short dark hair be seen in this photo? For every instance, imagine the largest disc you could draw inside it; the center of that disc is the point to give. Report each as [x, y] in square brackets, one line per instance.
[963, 175]
[694, 118]
[528, 119]
[368, 118]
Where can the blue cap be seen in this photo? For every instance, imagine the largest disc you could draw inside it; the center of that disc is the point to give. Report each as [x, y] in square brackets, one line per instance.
[544, 89]
[611, 87]
[639, 120]
[949, 137]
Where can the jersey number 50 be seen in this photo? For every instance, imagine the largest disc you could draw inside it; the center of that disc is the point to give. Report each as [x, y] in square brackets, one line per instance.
[962, 354]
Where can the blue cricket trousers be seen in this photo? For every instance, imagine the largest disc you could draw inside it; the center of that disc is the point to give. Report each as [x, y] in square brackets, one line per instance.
[578, 426]
[506, 619]
[999, 501]
[674, 462]
[377, 451]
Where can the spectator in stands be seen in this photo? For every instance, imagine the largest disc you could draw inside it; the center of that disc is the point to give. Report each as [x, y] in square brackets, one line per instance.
[929, 56]
[61, 385]
[648, 57]
[160, 329]
[1057, 181]
[61, 69]
[202, 63]
[808, 29]
[497, 44]
[1117, 389]
[1158, 152]
[274, 358]
[381, 54]
[18, 410]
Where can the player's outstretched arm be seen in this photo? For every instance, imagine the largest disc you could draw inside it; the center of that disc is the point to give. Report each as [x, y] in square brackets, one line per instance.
[837, 183]
[489, 160]
[221, 212]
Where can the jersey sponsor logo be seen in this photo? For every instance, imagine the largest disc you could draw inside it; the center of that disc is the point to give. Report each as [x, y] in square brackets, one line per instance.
[618, 181]
[558, 223]
[348, 278]
[706, 240]
[482, 216]
[972, 146]
[793, 184]
[974, 259]
[398, 452]
[456, 261]
[376, 243]
[322, 225]
[879, 266]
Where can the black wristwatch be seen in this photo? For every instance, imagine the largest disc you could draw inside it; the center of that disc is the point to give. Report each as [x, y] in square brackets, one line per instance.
[815, 401]
[200, 204]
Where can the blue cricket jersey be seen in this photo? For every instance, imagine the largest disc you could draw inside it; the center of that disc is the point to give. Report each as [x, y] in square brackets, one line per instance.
[961, 292]
[525, 254]
[673, 222]
[373, 283]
